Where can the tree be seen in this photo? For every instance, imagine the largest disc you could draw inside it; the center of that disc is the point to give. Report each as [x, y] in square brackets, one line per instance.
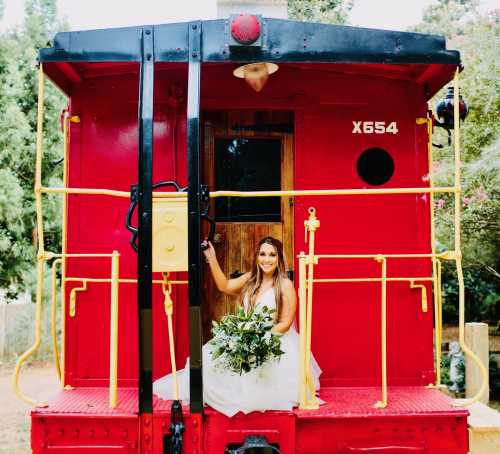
[477, 38]
[18, 106]
[325, 11]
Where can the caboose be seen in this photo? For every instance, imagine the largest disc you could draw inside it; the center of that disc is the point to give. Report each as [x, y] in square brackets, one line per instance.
[237, 129]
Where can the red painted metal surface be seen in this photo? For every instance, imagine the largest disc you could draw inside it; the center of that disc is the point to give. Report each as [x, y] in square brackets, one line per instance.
[416, 418]
[346, 317]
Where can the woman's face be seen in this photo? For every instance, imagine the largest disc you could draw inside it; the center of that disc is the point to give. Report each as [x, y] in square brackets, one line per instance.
[267, 259]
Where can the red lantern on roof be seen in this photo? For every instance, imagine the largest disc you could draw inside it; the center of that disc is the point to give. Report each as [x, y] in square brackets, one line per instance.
[245, 29]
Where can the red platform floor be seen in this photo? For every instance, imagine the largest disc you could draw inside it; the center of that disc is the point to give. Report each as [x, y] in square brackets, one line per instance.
[339, 403]
[417, 420]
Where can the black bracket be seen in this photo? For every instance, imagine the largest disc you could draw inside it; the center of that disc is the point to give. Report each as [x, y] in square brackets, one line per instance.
[205, 201]
[253, 442]
[177, 427]
[134, 193]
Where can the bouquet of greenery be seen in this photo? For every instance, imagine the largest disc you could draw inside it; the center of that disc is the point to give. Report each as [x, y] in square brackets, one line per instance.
[244, 341]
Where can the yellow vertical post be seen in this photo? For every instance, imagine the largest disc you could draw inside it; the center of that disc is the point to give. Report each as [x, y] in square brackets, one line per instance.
[64, 249]
[458, 252]
[382, 260]
[53, 311]
[302, 329]
[435, 289]
[169, 311]
[113, 348]
[439, 326]
[41, 249]
[311, 225]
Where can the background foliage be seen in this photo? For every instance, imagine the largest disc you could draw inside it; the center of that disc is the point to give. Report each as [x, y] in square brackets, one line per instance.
[476, 36]
[18, 105]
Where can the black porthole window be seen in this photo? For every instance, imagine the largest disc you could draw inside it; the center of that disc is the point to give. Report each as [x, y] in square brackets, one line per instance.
[375, 166]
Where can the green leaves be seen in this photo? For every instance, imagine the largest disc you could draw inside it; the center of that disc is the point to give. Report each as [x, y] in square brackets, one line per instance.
[18, 105]
[244, 341]
[325, 11]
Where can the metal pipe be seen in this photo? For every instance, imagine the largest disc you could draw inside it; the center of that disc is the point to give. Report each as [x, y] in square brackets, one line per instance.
[64, 250]
[289, 193]
[321, 192]
[374, 279]
[37, 341]
[302, 330]
[113, 347]
[458, 258]
[388, 256]
[40, 255]
[122, 281]
[383, 403]
[54, 320]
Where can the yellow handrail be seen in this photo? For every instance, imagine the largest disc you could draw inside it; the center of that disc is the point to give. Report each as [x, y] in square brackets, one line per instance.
[40, 255]
[169, 310]
[458, 258]
[113, 337]
[216, 194]
[423, 291]
[383, 262]
[373, 279]
[302, 330]
[311, 225]
[72, 297]
[53, 324]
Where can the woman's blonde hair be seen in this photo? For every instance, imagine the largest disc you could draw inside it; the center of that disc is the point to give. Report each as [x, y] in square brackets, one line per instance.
[253, 284]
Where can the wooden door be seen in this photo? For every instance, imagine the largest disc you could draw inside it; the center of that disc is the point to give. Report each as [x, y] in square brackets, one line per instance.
[241, 225]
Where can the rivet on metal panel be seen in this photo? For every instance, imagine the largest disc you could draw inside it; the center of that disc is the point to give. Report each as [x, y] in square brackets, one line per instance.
[76, 433]
[61, 432]
[125, 434]
[146, 422]
[46, 432]
[163, 425]
[148, 32]
[91, 433]
[195, 423]
[147, 438]
[106, 432]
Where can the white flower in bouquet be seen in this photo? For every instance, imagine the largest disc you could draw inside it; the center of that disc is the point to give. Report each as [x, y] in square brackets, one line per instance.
[244, 341]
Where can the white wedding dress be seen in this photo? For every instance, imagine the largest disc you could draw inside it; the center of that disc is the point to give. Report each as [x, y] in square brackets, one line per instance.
[272, 386]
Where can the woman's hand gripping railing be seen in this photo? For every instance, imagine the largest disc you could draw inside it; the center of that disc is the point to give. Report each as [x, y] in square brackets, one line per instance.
[306, 279]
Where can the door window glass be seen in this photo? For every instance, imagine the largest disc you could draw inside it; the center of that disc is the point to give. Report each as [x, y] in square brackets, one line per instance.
[248, 164]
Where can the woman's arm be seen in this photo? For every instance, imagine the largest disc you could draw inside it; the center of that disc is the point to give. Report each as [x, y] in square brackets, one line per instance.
[225, 285]
[288, 308]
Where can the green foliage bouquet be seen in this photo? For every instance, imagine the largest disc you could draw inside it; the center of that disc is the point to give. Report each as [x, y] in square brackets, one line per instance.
[244, 341]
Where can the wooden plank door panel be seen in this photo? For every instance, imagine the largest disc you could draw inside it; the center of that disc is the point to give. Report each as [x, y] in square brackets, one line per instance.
[235, 242]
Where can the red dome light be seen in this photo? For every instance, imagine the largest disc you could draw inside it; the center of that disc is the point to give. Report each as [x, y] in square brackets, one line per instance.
[245, 29]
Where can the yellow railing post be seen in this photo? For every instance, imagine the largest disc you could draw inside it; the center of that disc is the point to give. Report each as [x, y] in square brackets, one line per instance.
[53, 318]
[113, 348]
[311, 225]
[435, 289]
[458, 252]
[169, 310]
[382, 260]
[41, 250]
[302, 330]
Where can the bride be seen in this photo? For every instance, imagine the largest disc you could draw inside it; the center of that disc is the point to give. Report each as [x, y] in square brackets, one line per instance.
[275, 384]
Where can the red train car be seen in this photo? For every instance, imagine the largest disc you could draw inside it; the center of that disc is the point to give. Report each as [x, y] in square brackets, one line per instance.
[342, 125]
